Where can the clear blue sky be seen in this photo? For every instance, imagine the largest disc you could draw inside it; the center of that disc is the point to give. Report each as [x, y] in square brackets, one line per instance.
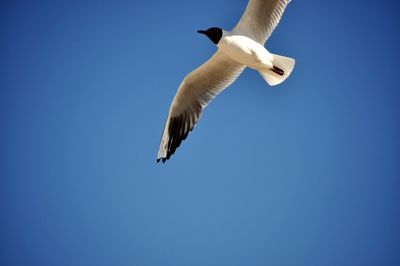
[307, 173]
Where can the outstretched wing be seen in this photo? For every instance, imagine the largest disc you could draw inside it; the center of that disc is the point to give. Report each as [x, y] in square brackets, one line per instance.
[194, 94]
[260, 18]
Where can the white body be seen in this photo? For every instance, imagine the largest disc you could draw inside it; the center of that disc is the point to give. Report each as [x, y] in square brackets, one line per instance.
[245, 51]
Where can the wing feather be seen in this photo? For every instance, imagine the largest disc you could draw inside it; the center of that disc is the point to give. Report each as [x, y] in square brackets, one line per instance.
[196, 91]
[260, 18]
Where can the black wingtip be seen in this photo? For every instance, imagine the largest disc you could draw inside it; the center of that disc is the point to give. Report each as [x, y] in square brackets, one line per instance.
[162, 160]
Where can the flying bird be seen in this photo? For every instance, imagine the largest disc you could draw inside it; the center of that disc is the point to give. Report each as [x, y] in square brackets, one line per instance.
[242, 47]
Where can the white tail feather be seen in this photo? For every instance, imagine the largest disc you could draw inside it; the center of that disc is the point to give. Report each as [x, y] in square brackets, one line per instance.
[282, 63]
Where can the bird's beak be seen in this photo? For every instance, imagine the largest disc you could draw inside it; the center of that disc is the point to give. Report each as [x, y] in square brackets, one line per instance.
[202, 31]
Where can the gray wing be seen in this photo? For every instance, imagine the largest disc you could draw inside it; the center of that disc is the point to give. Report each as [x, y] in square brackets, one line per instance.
[260, 18]
[195, 92]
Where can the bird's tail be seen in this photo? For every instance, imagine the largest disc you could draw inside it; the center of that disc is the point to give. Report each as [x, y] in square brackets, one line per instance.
[282, 67]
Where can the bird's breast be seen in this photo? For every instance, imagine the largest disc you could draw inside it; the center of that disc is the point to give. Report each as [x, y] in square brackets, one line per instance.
[245, 51]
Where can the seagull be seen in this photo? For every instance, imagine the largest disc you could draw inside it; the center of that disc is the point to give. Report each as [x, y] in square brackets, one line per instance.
[242, 47]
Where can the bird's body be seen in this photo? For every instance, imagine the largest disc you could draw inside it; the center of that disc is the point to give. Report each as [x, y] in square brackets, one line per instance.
[237, 49]
[245, 50]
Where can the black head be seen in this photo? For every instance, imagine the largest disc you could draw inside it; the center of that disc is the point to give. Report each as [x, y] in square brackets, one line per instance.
[215, 34]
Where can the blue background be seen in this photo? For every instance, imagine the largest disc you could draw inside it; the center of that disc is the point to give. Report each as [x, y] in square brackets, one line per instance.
[306, 173]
